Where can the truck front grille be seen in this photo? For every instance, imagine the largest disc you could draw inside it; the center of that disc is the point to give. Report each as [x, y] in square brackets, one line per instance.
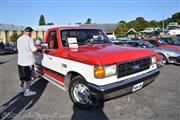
[128, 68]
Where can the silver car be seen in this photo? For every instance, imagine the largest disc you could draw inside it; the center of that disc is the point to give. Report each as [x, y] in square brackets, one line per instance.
[169, 55]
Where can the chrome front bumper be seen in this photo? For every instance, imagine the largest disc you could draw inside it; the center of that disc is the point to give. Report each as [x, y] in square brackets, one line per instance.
[121, 88]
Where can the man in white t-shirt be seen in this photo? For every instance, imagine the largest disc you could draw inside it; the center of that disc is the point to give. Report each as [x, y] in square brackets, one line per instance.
[26, 51]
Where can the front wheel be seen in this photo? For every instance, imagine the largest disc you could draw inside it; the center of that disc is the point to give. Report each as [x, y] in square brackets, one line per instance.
[80, 93]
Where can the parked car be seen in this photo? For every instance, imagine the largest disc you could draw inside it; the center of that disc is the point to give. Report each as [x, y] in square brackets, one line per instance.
[9, 49]
[178, 37]
[161, 44]
[118, 41]
[168, 55]
[170, 41]
[1, 48]
[84, 62]
[37, 43]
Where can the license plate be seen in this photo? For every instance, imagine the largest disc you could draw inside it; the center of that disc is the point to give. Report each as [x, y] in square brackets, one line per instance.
[137, 86]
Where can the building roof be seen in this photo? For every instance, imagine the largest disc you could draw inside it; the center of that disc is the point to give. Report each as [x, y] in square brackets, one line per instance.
[43, 27]
[108, 28]
[10, 27]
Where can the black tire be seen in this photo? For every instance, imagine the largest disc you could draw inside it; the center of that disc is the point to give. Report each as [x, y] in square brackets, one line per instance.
[78, 80]
[164, 59]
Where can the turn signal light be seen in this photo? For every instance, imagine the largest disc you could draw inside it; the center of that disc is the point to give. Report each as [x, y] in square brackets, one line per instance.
[99, 72]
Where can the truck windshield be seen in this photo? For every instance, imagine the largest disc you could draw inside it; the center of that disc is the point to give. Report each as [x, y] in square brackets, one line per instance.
[176, 42]
[162, 42]
[84, 36]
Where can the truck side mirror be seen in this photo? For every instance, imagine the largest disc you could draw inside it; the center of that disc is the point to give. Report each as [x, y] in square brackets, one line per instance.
[44, 46]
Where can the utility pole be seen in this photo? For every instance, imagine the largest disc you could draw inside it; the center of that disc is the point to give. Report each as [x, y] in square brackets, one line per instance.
[163, 27]
[121, 29]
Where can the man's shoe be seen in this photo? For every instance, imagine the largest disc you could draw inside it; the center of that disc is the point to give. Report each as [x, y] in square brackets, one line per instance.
[29, 93]
[21, 90]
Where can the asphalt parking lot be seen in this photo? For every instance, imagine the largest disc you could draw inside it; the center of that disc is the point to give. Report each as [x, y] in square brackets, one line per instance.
[158, 101]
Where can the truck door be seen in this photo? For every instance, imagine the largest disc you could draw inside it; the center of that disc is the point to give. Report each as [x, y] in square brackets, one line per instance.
[49, 55]
[50, 62]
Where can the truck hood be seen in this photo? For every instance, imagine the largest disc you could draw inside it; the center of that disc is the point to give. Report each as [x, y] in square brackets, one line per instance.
[105, 54]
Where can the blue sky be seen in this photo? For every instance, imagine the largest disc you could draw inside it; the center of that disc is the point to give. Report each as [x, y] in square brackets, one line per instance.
[62, 12]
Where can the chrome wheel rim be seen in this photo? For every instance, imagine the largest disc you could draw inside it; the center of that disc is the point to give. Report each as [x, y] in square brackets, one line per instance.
[81, 94]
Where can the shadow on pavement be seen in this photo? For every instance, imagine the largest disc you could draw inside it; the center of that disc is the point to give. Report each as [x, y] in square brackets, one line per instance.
[10, 109]
[3, 62]
[177, 64]
[96, 113]
[7, 54]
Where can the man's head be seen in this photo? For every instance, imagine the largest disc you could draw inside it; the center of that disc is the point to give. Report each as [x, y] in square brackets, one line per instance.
[28, 31]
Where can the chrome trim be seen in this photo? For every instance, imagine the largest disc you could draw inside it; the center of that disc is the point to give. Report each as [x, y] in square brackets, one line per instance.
[52, 80]
[123, 82]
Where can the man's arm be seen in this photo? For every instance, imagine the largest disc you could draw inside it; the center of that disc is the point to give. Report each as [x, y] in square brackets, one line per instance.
[32, 46]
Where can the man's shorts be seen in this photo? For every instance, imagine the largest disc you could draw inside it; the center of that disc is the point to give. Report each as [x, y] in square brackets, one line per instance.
[25, 73]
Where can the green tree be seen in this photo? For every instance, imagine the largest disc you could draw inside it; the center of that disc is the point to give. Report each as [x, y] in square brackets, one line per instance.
[121, 29]
[160, 24]
[176, 17]
[133, 24]
[89, 21]
[139, 24]
[167, 21]
[42, 20]
[122, 21]
[152, 23]
[142, 23]
[14, 37]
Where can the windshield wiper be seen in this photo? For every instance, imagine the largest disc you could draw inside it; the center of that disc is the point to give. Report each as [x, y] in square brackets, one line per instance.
[92, 42]
[83, 43]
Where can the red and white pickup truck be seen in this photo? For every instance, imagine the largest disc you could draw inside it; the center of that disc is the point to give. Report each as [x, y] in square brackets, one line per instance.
[84, 62]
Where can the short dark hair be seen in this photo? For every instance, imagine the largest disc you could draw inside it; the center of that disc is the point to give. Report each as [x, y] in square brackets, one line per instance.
[28, 29]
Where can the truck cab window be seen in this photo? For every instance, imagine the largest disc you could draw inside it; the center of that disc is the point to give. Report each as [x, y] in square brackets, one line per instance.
[52, 40]
[84, 36]
[64, 38]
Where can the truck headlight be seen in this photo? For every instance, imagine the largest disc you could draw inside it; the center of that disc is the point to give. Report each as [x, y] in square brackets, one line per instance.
[110, 70]
[153, 60]
[101, 72]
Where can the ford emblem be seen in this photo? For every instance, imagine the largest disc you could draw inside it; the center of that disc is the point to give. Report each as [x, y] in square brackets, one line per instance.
[135, 67]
